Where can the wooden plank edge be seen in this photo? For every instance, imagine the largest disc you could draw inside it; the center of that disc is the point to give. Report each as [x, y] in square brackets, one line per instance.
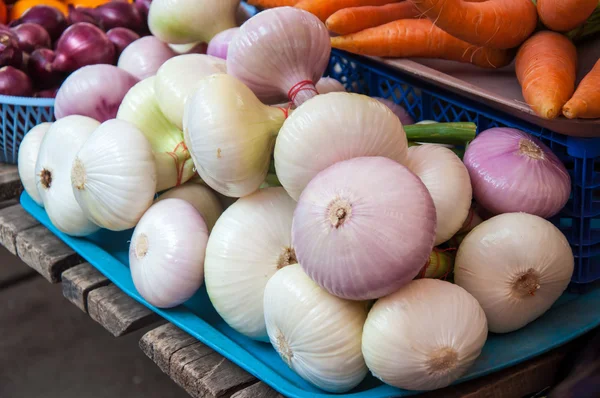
[79, 281]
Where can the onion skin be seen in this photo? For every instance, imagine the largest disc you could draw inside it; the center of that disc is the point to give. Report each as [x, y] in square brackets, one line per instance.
[77, 15]
[10, 54]
[80, 45]
[357, 240]
[41, 71]
[116, 14]
[512, 171]
[143, 57]
[31, 36]
[329, 85]
[398, 110]
[48, 17]
[219, 44]
[121, 38]
[15, 82]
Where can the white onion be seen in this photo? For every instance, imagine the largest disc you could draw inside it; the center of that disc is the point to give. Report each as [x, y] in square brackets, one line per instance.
[249, 243]
[28, 154]
[166, 254]
[316, 334]
[516, 265]
[448, 182]
[143, 57]
[424, 336]
[333, 127]
[364, 227]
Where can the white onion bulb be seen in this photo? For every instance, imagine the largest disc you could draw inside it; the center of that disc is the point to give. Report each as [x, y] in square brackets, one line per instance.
[447, 180]
[517, 265]
[166, 254]
[249, 243]
[28, 154]
[333, 127]
[53, 173]
[329, 85]
[316, 334]
[424, 336]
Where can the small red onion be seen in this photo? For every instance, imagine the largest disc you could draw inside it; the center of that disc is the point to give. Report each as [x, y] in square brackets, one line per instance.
[77, 15]
[49, 93]
[49, 18]
[143, 57]
[95, 91]
[15, 82]
[117, 14]
[364, 227]
[31, 36]
[512, 171]
[121, 38]
[83, 44]
[10, 54]
[41, 71]
[220, 43]
[398, 110]
[143, 7]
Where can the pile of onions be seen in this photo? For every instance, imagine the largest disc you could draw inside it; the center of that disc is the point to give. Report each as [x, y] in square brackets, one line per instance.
[512, 171]
[31, 37]
[230, 134]
[28, 154]
[80, 45]
[87, 92]
[15, 82]
[424, 336]
[10, 54]
[143, 57]
[347, 125]
[364, 227]
[279, 54]
[51, 19]
[117, 14]
[41, 71]
[516, 265]
[316, 334]
[121, 38]
[53, 169]
[171, 229]
[219, 44]
[448, 182]
[258, 229]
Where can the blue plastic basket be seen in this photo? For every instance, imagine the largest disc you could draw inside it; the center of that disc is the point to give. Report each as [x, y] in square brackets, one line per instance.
[579, 220]
[19, 115]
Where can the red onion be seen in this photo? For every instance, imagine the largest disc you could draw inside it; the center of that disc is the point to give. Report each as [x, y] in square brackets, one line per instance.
[31, 36]
[95, 91]
[117, 14]
[49, 93]
[83, 44]
[48, 17]
[10, 54]
[77, 15]
[279, 54]
[220, 43]
[364, 227]
[143, 57]
[512, 171]
[14, 82]
[143, 7]
[121, 38]
[41, 71]
[399, 111]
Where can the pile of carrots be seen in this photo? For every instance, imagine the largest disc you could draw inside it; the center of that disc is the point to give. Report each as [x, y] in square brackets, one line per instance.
[485, 33]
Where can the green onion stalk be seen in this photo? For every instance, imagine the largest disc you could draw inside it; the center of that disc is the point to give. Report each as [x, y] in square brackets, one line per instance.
[441, 133]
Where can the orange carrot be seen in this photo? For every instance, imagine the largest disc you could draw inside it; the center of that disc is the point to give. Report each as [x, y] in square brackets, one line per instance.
[419, 38]
[492, 23]
[546, 67]
[585, 103]
[354, 19]
[323, 9]
[272, 3]
[564, 15]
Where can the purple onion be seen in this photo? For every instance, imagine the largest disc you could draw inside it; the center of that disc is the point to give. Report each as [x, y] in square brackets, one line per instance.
[80, 45]
[10, 54]
[117, 14]
[48, 93]
[220, 43]
[121, 38]
[14, 82]
[95, 91]
[48, 17]
[77, 15]
[143, 57]
[31, 36]
[399, 111]
[41, 71]
[143, 7]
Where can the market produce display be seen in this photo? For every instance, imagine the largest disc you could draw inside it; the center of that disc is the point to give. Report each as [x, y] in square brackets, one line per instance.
[326, 224]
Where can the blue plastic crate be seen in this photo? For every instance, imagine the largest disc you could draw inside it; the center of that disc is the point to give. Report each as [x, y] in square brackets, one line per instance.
[18, 116]
[579, 220]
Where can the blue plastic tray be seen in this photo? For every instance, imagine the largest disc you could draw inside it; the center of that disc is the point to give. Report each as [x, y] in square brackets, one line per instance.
[571, 316]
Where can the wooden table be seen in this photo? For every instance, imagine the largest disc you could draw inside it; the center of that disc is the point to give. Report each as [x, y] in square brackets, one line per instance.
[201, 371]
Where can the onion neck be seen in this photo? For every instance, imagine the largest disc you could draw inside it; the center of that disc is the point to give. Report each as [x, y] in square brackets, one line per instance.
[301, 92]
[173, 169]
[287, 257]
[526, 284]
[530, 149]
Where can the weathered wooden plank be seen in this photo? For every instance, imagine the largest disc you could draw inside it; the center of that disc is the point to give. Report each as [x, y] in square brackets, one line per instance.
[258, 390]
[117, 312]
[10, 184]
[13, 220]
[194, 366]
[44, 252]
[79, 281]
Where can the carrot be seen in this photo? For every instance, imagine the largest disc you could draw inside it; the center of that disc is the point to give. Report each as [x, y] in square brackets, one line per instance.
[585, 103]
[546, 67]
[354, 19]
[272, 3]
[419, 38]
[493, 23]
[564, 15]
[323, 9]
